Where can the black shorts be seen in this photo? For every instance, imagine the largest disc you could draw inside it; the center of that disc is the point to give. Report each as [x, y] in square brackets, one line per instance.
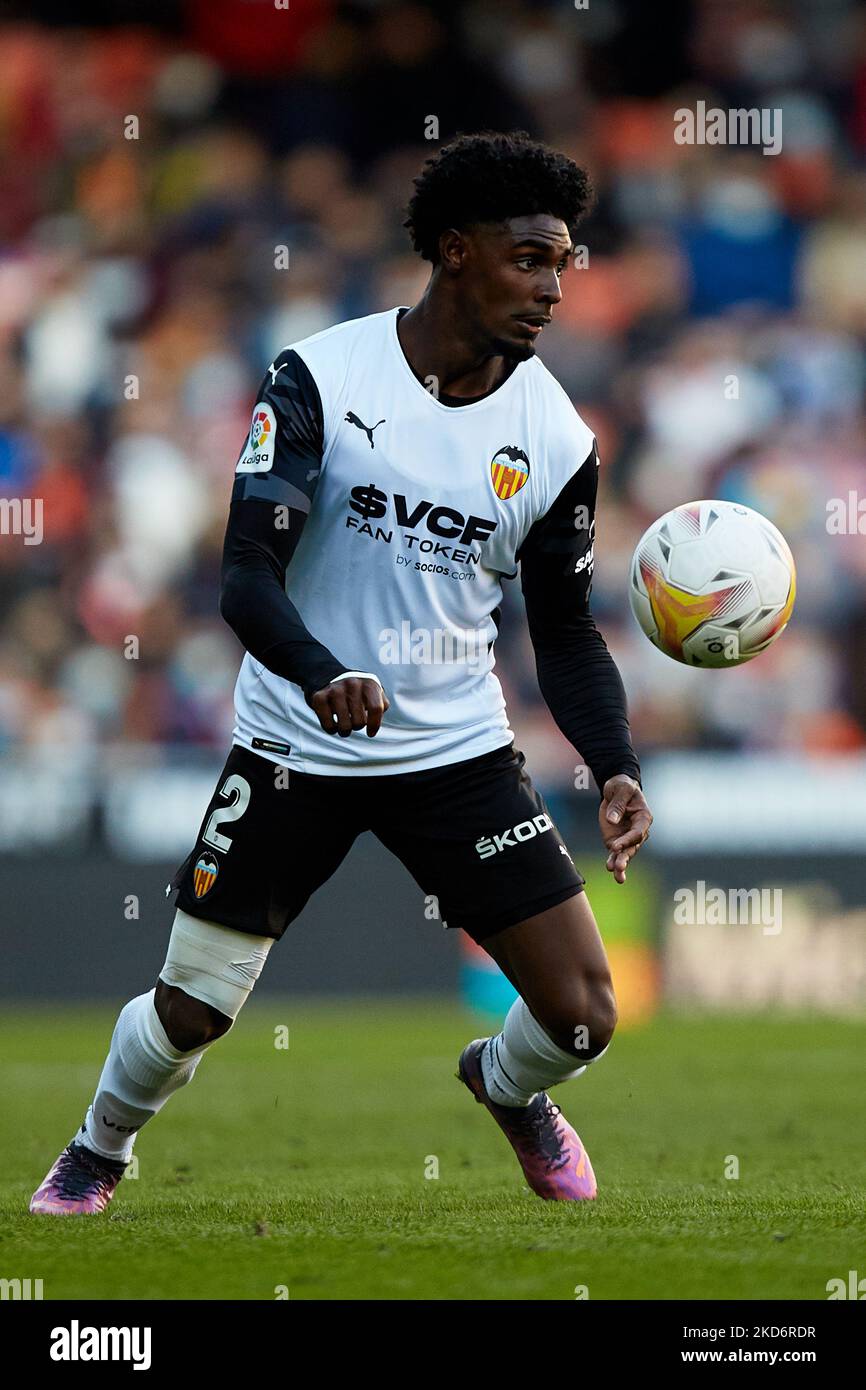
[476, 834]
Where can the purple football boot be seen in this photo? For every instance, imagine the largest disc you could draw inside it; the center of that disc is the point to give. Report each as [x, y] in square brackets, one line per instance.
[554, 1161]
[80, 1183]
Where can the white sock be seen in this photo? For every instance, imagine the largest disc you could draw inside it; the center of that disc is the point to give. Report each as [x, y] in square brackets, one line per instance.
[522, 1060]
[141, 1071]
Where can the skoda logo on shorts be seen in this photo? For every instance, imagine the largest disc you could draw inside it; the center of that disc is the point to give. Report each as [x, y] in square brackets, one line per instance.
[526, 830]
[204, 874]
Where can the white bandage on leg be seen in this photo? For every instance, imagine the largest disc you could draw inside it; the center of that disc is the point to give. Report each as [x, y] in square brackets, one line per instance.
[143, 1068]
[523, 1060]
[215, 964]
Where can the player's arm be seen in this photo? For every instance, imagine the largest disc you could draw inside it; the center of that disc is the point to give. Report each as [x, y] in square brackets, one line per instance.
[275, 483]
[577, 675]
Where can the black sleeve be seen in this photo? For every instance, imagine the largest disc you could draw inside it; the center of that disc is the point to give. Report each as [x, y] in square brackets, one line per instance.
[576, 673]
[277, 473]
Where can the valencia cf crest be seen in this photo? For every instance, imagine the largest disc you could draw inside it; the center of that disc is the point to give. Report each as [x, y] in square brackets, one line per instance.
[204, 874]
[509, 470]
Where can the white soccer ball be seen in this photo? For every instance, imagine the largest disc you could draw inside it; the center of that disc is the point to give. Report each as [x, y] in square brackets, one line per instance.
[712, 583]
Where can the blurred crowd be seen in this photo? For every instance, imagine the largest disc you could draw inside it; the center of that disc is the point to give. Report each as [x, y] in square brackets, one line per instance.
[715, 339]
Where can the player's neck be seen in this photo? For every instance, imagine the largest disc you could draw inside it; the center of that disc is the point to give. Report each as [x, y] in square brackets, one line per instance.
[437, 344]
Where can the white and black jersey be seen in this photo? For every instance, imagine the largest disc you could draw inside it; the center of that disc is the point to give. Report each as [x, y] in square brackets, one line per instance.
[372, 525]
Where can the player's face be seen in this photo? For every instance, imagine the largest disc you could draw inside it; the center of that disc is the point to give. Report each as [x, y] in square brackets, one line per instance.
[511, 278]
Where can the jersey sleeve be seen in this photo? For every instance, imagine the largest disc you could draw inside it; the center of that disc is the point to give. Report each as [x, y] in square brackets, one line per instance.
[275, 484]
[577, 675]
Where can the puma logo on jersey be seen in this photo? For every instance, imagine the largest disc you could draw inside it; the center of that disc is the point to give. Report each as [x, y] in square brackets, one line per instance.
[352, 419]
[273, 371]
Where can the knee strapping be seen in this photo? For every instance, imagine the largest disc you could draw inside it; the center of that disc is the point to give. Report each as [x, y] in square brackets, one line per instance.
[213, 963]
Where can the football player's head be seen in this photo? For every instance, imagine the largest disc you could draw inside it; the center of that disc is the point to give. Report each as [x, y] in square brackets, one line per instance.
[495, 214]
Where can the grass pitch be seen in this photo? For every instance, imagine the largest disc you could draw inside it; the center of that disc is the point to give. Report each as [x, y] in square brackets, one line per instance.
[308, 1170]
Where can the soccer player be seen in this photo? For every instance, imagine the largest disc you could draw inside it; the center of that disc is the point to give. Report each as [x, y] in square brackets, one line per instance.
[398, 470]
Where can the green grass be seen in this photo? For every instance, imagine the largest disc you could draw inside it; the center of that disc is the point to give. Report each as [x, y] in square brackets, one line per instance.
[306, 1167]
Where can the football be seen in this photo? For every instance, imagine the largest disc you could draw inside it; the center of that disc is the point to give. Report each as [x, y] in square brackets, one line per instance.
[712, 583]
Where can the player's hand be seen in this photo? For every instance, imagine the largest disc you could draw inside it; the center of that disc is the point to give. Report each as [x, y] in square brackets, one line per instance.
[624, 819]
[347, 705]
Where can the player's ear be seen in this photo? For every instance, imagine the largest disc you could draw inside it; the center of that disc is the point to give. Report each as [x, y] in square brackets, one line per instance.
[453, 249]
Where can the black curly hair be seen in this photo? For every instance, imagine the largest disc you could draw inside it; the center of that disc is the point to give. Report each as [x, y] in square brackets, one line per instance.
[489, 177]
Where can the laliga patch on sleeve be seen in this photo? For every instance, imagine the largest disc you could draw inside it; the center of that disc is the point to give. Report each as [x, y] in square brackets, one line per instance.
[258, 452]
